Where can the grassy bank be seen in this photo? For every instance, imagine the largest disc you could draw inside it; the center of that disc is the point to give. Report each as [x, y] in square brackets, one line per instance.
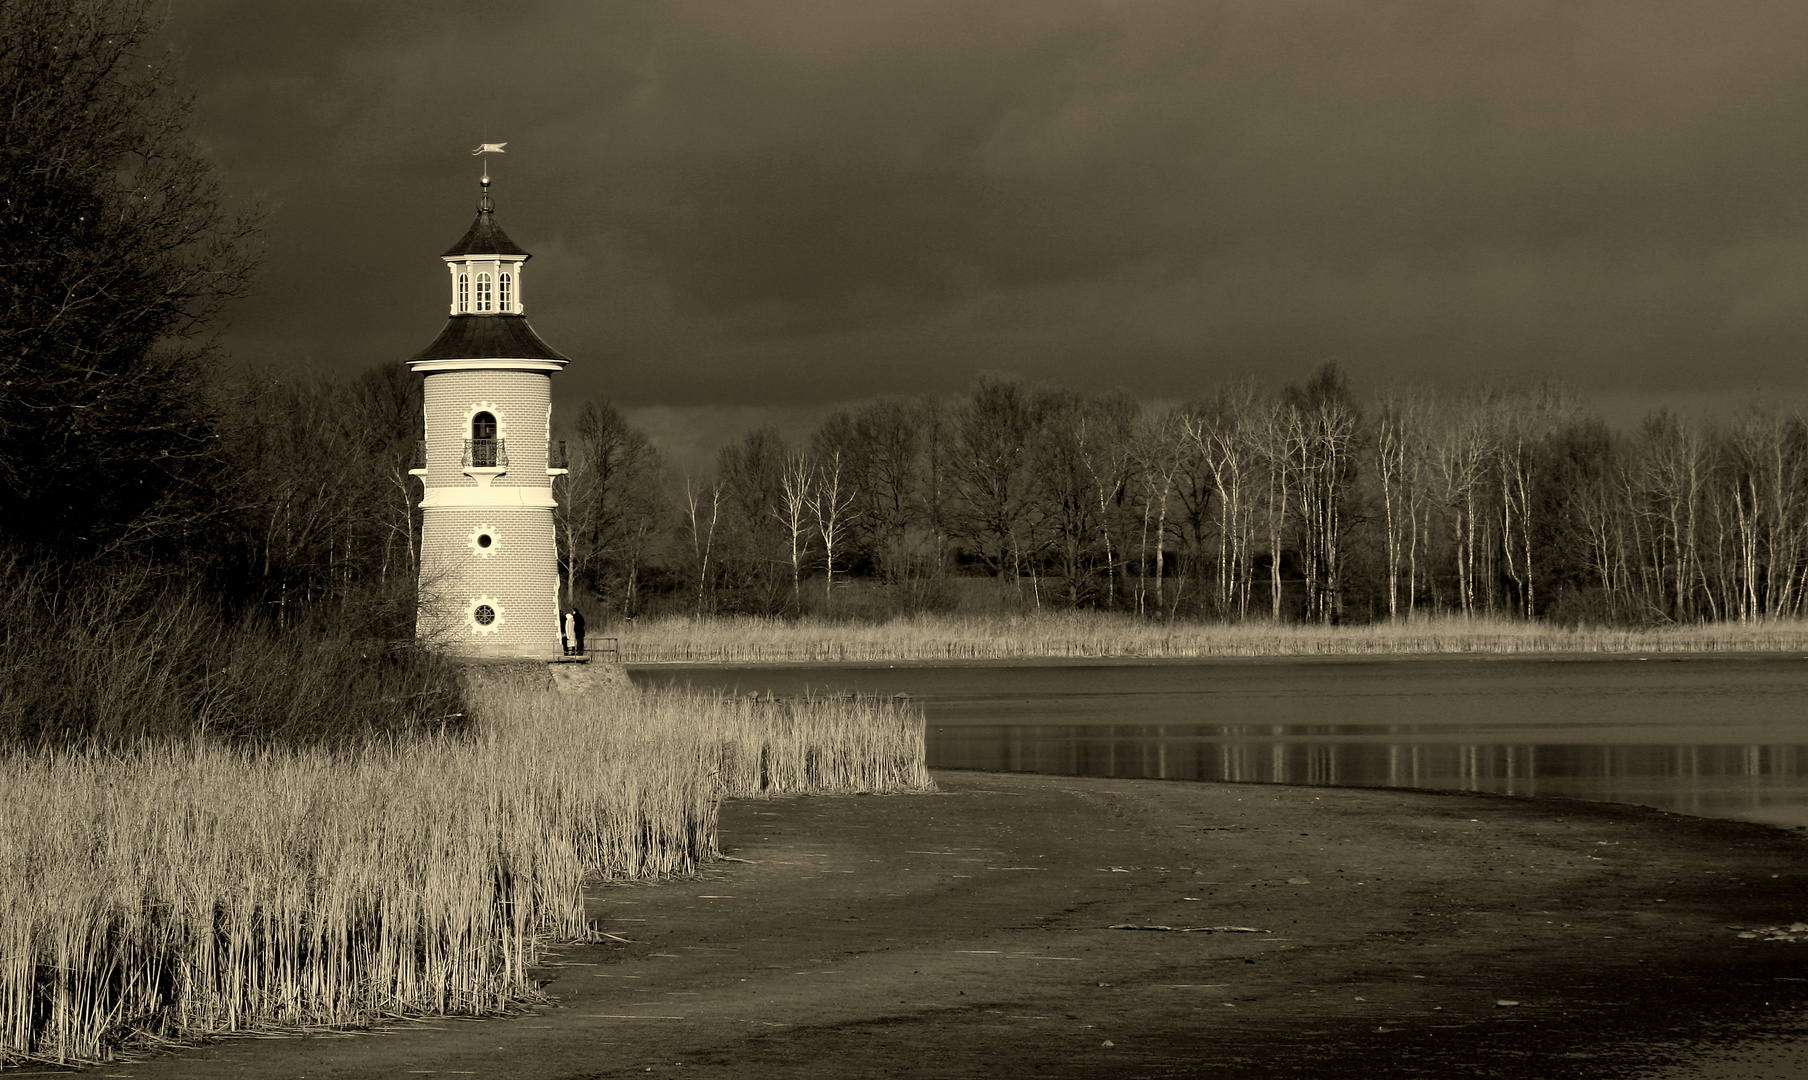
[1097, 635]
[118, 655]
[166, 890]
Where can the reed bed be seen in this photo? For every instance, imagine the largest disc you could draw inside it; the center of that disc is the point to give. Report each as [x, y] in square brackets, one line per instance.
[163, 891]
[1081, 635]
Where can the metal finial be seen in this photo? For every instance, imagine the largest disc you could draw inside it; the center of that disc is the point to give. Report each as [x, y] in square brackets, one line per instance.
[484, 205]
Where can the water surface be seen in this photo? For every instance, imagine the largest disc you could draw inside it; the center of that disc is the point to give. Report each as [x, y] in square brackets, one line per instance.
[1723, 736]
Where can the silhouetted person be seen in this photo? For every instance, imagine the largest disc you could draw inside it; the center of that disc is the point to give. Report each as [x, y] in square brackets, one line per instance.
[565, 632]
[577, 631]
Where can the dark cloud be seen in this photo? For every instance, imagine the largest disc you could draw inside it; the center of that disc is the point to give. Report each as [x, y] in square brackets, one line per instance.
[793, 203]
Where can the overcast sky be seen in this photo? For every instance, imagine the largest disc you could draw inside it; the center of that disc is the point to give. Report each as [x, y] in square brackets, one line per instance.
[790, 203]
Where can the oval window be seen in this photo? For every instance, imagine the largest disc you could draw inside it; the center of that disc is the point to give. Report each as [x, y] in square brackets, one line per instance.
[484, 541]
[485, 614]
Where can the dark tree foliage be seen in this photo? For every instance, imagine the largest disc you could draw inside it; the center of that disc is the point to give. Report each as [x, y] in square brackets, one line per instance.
[1578, 460]
[611, 509]
[750, 537]
[1324, 418]
[319, 507]
[115, 250]
[887, 450]
[996, 513]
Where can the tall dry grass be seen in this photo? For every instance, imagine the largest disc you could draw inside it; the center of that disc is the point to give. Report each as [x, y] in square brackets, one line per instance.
[121, 654]
[161, 891]
[1075, 635]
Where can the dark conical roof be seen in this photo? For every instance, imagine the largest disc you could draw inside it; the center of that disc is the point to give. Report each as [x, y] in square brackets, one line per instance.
[485, 236]
[488, 337]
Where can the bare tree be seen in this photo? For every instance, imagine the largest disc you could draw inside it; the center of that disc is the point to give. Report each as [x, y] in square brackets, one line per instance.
[989, 465]
[829, 501]
[751, 546]
[790, 515]
[885, 448]
[1223, 431]
[1765, 474]
[1160, 450]
[1399, 451]
[1674, 480]
[1323, 429]
[1461, 461]
[1105, 442]
[702, 536]
[612, 502]
[1527, 424]
[1275, 437]
[1071, 511]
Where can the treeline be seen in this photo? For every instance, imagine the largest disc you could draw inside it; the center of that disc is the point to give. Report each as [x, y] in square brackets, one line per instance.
[262, 588]
[1298, 503]
[185, 549]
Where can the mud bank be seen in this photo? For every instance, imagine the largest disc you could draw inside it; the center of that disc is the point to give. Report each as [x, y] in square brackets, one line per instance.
[1042, 926]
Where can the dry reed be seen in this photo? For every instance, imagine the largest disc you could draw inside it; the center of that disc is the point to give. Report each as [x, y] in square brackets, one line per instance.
[1076, 635]
[165, 891]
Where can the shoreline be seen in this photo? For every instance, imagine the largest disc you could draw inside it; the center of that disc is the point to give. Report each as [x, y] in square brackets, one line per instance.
[1264, 659]
[955, 694]
[1317, 931]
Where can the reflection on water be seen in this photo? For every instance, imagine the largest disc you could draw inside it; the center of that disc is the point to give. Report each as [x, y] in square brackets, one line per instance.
[1767, 783]
[1721, 736]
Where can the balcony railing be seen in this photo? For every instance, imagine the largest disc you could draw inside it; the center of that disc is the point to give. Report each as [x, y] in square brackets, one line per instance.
[556, 457]
[485, 454]
[419, 458]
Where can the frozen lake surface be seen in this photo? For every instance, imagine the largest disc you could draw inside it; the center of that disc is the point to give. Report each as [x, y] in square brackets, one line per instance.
[1720, 736]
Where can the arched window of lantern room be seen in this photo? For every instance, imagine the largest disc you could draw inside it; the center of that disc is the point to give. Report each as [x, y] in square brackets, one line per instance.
[464, 292]
[504, 292]
[483, 292]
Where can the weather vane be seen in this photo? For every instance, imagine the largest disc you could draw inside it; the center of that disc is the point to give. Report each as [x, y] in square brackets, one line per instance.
[488, 148]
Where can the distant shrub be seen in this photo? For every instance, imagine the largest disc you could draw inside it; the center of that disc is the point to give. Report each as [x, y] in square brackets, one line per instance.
[120, 656]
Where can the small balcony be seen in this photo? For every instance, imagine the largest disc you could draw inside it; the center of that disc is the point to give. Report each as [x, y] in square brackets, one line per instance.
[486, 454]
[557, 462]
[417, 462]
[485, 460]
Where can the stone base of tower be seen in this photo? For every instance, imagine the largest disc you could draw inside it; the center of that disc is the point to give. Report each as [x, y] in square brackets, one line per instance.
[508, 652]
[577, 675]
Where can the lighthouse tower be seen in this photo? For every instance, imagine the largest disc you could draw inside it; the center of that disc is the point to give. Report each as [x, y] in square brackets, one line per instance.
[489, 568]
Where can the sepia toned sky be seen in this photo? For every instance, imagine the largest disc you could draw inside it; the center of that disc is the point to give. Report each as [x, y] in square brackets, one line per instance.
[779, 206]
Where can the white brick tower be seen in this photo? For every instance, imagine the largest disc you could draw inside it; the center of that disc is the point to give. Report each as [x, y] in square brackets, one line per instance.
[489, 568]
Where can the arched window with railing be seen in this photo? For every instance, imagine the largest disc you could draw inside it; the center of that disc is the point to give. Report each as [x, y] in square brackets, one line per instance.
[464, 292]
[505, 292]
[483, 292]
[485, 448]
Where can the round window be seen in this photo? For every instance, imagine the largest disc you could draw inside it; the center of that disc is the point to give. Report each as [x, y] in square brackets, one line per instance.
[484, 540]
[485, 614]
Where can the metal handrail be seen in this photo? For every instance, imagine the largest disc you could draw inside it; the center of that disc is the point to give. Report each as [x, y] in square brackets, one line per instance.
[419, 460]
[556, 457]
[604, 647]
[485, 454]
